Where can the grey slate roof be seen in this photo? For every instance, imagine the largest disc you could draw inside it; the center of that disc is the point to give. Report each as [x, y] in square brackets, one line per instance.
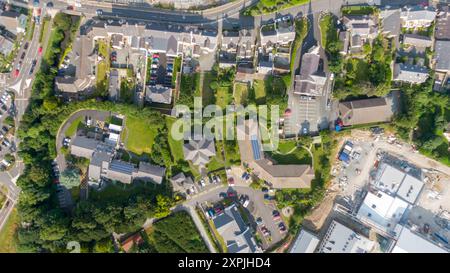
[159, 94]
[147, 171]
[442, 56]
[83, 147]
[199, 151]
[390, 21]
[417, 40]
[365, 111]
[410, 73]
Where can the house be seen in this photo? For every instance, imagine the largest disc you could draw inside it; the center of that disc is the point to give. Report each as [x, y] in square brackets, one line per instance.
[414, 74]
[390, 23]
[417, 16]
[132, 241]
[229, 48]
[279, 175]
[247, 39]
[149, 172]
[362, 28]
[382, 211]
[237, 236]
[410, 241]
[114, 84]
[310, 82]
[441, 57]
[365, 111]
[199, 152]
[182, 184]
[442, 28]
[6, 45]
[83, 147]
[306, 242]
[159, 94]
[13, 21]
[341, 239]
[418, 41]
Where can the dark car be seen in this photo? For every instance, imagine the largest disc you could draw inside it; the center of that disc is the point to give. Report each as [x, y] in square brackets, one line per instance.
[26, 46]
[33, 65]
[50, 4]
[264, 189]
[231, 194]
[22, 56]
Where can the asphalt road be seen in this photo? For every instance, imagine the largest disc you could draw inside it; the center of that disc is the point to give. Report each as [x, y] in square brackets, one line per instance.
[22, 88]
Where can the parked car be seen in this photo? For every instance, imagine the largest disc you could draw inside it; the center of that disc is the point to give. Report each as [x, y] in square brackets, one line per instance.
[231, 181]
[23, 55]
[50, 5]
[259, 221]
[33, 65]
[70, 8]
[16, 73]
[26, 46]
[155, 55]
[231, 194]
[99, 12]
[40, 50]
[264, 189]
[202, 182]
[282, 227]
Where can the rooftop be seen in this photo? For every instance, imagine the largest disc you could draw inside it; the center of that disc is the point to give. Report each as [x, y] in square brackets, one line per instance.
[411, 242]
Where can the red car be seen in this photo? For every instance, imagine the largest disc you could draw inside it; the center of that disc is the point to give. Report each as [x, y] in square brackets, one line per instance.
[231, 181]
[16, 73]
[231, 194]
[40, 50]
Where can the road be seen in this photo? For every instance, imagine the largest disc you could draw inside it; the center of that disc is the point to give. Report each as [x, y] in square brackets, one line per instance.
[22, 88]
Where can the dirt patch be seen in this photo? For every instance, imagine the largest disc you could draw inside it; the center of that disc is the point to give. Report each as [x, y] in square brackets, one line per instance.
[318, 216]
[287, 211]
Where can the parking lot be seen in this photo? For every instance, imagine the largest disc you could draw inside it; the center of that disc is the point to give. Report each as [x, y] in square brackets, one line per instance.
[161, 69]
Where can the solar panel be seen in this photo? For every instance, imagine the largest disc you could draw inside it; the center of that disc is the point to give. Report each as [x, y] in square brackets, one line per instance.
[255, 148]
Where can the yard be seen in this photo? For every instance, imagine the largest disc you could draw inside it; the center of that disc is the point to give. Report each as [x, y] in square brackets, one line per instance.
[289, 153]
[8, 232]
[223, 96]
[139, 135]
[176, 146]
[260, 91]
[74, 127]
[240, 93]
[208, 93]
[102, 68]
[269, 6]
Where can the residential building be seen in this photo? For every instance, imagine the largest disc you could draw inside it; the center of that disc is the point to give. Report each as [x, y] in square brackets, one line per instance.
[6, 45]
[159, 94]
[104, 165]
[410, 241]
[199, 152]
[417, 16]
[382, 211]
[229, 48]
[310, 82]
[365, 111]
[418, 41]
[414, 74]
[183, 184]
[441, 58]
[306, 242]
[246, 48]
[442, 28]
[344, 37]
[280, 176]
[341, 239]
[237, 236]
[390, 23]
[13, 21]
[362, 28]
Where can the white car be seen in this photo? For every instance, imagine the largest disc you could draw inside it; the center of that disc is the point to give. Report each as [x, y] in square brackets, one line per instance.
[99, 12]
[246, 203]
[202, 182]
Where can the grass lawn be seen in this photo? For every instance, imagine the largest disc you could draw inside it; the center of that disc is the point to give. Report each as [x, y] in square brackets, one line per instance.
[73, 127]
[8, 233]
[176, 146]
[208, 93]
[269, 6]
[240, 93]
[260, 92]
[358, 10]
[44, 28]
[140, 135]
[328, 30]
[223, 96]
[298, 156]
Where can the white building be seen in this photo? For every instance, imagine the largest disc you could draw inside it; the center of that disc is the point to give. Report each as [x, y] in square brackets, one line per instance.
[306, 242]
[417, 16]
[341, 239]
[411, 242]
[382, 212]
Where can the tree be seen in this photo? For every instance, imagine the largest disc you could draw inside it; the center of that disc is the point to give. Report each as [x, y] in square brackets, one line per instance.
[163, 204]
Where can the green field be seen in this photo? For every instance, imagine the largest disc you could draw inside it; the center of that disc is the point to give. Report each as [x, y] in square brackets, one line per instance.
[240, 93]
[140, 134]
[269, 6]
[73, 127]
[176, 146]
[260, 92]
[289, 153]
[8, 233]
[208, 93]
[223, 96]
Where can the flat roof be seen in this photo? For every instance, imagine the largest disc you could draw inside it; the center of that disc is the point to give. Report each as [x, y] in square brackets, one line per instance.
[341, 239]
[411, 242]
[306, 242]
[382, 210]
